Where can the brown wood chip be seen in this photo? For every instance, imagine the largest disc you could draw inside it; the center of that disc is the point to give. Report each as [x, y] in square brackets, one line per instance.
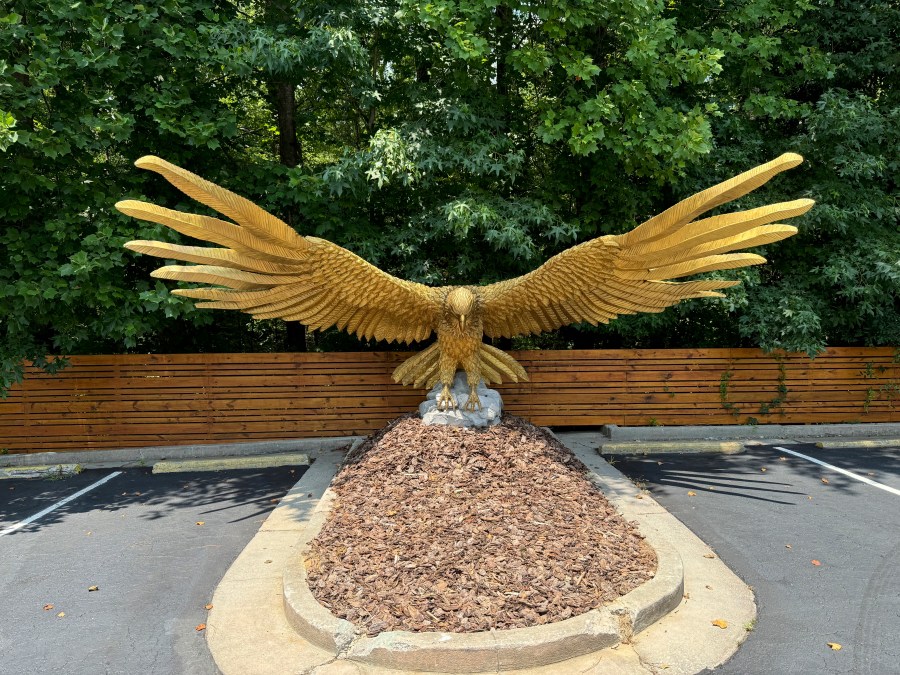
[445, 529]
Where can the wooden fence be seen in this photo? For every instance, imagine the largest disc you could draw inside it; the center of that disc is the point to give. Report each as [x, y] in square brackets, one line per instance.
[139, 400]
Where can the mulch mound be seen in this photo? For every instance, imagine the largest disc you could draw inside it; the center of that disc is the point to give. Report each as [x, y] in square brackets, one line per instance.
[438, 528]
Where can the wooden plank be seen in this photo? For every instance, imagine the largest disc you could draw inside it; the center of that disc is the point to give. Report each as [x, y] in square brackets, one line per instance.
[859, 354]
[139, 399]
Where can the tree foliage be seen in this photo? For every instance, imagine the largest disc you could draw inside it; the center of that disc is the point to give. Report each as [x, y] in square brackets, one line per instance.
[454, 141]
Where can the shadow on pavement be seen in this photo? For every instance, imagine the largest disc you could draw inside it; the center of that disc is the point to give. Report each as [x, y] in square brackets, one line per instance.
[164, 494]
[754, 474]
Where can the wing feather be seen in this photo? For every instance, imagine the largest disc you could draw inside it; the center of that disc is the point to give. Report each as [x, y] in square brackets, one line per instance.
[612, 275]
[686, 210]
[252, 218]
[223, 257]
[269, 271]
[295, 303]
[705, 264]
[211, 229]
[721, 227]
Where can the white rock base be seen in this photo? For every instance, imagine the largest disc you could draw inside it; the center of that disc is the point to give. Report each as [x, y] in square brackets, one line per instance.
[491, 405]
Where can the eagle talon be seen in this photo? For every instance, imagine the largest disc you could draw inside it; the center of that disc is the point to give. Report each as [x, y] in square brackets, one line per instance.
[445, 400]
[474, 403]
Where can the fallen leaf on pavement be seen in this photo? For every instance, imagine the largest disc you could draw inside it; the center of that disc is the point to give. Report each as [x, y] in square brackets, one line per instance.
[721, 623]
[201, 522]
[639, 496]
[48, 607]
[816, 563]
[788, 546]
[93, 588]
[825, 480]
[61, 614]
[200, 627]
[764, 469]
[207, 607]
[834, 645]
[692, 494]
[708, 555]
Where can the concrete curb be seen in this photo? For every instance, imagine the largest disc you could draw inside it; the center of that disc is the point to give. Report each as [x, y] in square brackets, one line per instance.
[485, 651]
[684, 641]
[248, 632]
[229, 463]
[148, 455]
[612, 432]
[45, 471]
[660, 447]
[881, 443]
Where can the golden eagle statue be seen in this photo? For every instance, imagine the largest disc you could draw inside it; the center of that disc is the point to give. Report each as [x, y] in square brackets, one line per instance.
[265, 268]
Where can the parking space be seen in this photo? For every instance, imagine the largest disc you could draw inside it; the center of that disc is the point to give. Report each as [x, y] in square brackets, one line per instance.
[21, 499]
[153, 548]
[818, 546]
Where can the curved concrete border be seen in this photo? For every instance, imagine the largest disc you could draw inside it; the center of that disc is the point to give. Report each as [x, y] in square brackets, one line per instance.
[491, 650]
[248, 631]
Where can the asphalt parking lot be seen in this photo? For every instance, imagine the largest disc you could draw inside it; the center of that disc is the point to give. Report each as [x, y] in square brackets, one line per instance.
[819, 548]
[154, 546]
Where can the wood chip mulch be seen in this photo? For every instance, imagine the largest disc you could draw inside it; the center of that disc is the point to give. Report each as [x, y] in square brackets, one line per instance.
[438, 528]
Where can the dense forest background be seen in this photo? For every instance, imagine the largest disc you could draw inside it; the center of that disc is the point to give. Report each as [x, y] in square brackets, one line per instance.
[454, 141]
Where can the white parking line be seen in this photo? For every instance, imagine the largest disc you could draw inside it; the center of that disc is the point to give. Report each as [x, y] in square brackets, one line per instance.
[863, 479]
[61, 502]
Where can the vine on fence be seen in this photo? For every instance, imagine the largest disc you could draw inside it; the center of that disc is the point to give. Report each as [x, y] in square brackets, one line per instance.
[890, 389]
[723, 393]
[780, 399]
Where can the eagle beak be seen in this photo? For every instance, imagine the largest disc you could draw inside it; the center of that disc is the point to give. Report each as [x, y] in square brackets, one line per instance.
[462, 321]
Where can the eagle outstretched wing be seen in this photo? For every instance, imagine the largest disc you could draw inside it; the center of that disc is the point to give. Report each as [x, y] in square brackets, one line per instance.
[624, 274]
[268, 270]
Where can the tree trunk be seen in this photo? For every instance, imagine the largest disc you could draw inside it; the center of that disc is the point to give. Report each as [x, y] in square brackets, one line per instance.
[422, 74]
[289, 154]
[289, 151]
[504, 47]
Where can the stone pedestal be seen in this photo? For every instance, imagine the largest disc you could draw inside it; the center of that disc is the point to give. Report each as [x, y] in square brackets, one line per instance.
[491, 406]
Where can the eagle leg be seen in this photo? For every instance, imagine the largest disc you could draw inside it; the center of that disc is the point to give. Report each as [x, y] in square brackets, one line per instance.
[473, 377]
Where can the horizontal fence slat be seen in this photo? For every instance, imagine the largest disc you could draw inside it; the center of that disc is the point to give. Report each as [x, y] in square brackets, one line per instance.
[134, 400]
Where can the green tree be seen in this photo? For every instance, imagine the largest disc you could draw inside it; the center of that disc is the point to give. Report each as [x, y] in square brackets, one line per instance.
[820, 79]
[491, 136]
[86, 89]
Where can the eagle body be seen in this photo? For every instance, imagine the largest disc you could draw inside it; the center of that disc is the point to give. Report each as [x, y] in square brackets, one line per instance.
[459, 345]
[265, 268]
